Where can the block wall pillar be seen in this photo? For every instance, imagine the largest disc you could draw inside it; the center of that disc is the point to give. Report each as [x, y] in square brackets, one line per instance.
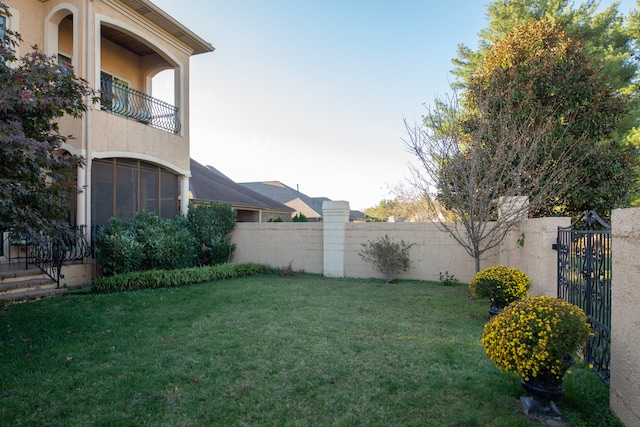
[335, 216]
[625, 316]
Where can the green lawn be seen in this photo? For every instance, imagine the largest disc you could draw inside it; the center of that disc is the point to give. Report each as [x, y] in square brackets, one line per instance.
[266, 350]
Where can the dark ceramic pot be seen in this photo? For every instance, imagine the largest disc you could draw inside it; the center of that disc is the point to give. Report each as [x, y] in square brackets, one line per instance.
[496, 307]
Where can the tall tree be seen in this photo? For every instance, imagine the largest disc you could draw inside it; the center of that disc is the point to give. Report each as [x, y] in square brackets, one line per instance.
[469, 163]
[543, 69]
[610, 41]
[35, 91]
[603, 33]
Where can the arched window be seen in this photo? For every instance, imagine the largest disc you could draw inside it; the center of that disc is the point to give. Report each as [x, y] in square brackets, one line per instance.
[122, 187]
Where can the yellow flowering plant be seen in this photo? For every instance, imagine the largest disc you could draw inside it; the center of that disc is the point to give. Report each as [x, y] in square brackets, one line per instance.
[536, 336]
[500, 284]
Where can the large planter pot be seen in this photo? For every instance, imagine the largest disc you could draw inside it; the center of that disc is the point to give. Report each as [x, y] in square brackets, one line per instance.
[544, 394]
[496, 307]
[544, 390]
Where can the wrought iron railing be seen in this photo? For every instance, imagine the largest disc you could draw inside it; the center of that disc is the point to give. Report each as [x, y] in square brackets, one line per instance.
[118, 98]
[584, 279]
[48, 253]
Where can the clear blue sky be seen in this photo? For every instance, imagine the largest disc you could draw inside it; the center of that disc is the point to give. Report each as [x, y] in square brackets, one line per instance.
[313, 93]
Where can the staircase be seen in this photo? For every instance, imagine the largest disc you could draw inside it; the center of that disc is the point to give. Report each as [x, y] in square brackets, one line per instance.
[19, 283]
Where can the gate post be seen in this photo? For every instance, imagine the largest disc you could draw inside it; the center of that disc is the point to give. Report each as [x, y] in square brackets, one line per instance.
[624, 393]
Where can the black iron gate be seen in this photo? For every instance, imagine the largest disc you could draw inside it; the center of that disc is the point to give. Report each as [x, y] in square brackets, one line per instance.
[584, 279]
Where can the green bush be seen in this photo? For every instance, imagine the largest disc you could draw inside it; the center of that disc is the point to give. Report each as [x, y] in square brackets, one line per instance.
[152, 279]
[167, 244]
[210, 225]
[299, 217]
[151, 242]
[387, 256]
[117, 248]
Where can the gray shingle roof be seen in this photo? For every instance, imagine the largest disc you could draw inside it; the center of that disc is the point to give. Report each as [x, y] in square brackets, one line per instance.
[311, 207]
[207, 185]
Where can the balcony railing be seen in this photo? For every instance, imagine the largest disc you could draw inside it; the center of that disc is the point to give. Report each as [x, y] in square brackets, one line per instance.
[118, 98]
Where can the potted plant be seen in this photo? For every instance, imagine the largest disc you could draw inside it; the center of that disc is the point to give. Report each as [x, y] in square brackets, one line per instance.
[536, 339]
[501, 284]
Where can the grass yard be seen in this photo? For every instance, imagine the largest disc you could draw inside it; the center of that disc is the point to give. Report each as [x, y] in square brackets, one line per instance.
[266, 350]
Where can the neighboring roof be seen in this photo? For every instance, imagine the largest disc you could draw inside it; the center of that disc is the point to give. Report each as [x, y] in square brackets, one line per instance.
[210, 186]
[311, 207]
[159, 17]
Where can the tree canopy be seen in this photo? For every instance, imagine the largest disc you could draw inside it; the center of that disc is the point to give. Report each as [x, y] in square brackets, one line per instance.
[537, 67]
[35, 92]
[577, 63]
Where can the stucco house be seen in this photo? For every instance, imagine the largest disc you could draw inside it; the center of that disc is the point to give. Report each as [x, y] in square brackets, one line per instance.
[135, 146]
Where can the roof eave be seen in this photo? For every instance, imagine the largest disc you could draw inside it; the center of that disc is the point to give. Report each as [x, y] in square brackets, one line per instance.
[169, 24]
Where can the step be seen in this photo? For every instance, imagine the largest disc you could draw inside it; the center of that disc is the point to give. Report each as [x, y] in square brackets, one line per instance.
[30, 295]
[15, 274]
[31, 283]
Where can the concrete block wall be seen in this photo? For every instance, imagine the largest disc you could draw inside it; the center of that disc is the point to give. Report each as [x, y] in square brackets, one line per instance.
[433, 252]
[280, 243]
[535, 255]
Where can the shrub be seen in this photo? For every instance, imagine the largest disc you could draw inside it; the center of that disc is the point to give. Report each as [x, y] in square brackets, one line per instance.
[152, 279]
[210, 225]
[387, 256]
[534, 337]
[150, 242]
[117, 248]
[167, 244]
[299, 217]
[448, 279]
[500, 284]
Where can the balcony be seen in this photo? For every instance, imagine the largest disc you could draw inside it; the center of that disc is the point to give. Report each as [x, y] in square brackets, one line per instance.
[118, 98]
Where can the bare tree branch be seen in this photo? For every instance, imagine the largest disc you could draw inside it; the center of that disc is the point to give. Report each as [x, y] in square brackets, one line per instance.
[469, 163]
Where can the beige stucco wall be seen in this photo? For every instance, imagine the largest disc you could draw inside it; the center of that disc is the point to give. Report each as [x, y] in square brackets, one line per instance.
[535, 256]
[115, 136]
[77, 275]
[280, 243]
[625, 320]
[121, 63]
[28, 19]
[434, 251]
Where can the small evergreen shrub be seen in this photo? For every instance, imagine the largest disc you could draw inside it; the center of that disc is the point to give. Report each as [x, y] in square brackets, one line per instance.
[386, 256]
[299, 217]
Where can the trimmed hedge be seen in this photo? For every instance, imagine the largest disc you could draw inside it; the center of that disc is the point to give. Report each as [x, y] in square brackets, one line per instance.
[152, 279]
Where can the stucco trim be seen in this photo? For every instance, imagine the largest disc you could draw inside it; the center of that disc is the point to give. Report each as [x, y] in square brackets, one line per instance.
[145, 157]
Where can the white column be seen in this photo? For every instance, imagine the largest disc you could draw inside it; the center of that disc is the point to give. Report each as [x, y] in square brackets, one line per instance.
[335, 216]
[81, 200]
[184, 195]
